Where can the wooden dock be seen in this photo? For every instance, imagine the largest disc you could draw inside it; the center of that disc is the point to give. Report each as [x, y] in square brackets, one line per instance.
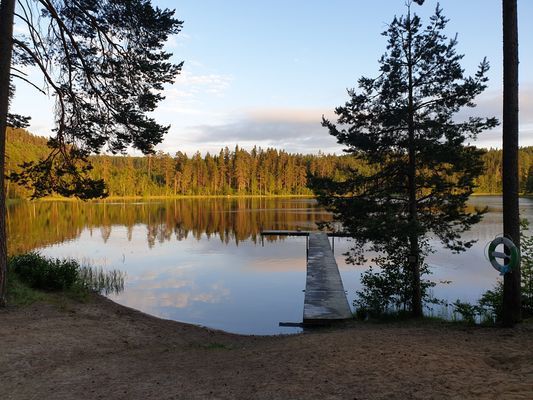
[325, 299]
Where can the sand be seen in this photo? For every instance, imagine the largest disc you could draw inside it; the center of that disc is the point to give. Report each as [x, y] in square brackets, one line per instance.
[101, 350]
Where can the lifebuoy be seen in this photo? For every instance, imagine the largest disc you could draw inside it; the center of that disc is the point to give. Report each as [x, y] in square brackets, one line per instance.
[513, 257]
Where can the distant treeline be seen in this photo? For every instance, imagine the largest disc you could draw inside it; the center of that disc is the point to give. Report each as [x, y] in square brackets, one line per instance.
[230, 172]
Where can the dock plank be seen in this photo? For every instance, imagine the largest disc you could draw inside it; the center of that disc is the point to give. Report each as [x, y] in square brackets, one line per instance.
[325, 298]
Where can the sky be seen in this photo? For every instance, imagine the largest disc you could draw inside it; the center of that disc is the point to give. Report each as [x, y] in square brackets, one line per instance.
[262, 73]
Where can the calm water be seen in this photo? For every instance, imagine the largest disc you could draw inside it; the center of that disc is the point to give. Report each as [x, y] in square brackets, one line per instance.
[203, 261]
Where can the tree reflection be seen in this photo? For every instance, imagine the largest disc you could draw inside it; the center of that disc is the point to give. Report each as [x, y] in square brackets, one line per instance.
[37, 224]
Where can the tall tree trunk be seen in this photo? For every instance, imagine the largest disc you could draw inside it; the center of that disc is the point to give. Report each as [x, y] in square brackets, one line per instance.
[414, 265]
[511, 217]
[7, 11]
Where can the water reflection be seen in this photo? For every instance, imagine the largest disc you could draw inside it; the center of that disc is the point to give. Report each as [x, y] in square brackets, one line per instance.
[103, 282]
[202, 261]
[37, 224]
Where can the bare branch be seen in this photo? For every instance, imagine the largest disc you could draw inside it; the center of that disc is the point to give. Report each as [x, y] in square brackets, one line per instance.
[28, 82]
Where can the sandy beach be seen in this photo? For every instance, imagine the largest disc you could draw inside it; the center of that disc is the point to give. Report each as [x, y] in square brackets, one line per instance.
[101, 350]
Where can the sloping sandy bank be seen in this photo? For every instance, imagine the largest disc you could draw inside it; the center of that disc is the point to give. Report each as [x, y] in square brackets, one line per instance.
[100, 350]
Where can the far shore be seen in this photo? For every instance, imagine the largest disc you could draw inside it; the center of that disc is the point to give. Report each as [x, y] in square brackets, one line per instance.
[179, 197]
[233, 196]
[99, 349]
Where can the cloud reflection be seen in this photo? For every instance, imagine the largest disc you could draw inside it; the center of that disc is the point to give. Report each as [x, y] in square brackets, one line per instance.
[152, 297]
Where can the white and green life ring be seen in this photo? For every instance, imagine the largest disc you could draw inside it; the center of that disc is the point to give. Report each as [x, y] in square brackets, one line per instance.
[513, 257]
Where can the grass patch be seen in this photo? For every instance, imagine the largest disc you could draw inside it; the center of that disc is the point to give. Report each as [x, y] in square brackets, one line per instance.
[43, 273]
[409, 320]
[20, 294]
[33, 277]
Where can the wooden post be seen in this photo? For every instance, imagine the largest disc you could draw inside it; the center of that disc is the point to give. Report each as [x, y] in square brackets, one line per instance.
[306, 248]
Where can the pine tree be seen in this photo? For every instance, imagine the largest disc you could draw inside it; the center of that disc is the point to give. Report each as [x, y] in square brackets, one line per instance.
[105, 65]
[419, 169]
[510, 180]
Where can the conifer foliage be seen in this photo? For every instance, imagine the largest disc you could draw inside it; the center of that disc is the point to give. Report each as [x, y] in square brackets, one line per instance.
[403, 125]
[105, 64]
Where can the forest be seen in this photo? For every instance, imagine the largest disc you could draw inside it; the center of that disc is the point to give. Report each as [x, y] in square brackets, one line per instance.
[258, 172]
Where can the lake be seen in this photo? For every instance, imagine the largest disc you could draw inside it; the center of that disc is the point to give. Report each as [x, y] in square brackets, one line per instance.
[202, 261]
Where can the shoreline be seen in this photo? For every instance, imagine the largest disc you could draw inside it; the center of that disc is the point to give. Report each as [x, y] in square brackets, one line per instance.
[101, 349]
[200, 197]
[181, 197]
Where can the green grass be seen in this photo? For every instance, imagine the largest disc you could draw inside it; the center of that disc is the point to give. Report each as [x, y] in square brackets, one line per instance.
[20, 294]
[33, 277]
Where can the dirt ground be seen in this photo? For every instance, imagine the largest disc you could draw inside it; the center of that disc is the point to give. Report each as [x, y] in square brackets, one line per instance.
[101, 350]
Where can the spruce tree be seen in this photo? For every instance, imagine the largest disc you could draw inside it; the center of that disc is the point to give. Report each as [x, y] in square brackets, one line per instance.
[421, 168]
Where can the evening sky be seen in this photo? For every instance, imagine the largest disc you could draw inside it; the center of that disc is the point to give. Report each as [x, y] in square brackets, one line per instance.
[264, 72]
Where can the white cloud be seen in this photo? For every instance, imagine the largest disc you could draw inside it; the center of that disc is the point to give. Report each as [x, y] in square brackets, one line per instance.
[189, 93]
[300, 130]
[489, 104]
[178, 40]
[290, 115]
[192, 84]
[294, 130]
